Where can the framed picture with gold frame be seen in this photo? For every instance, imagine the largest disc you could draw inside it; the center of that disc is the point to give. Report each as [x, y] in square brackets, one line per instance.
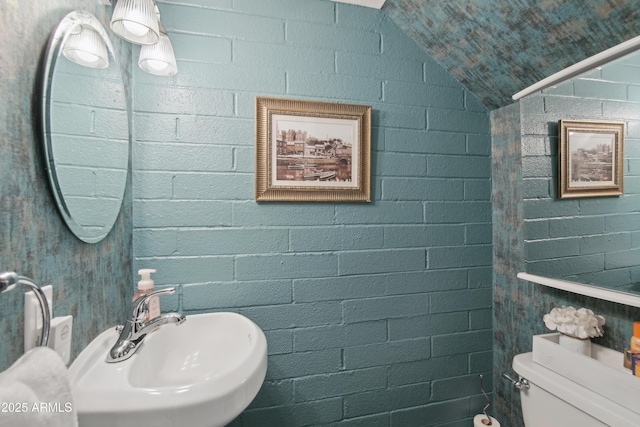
[590, 158]
[311, 151]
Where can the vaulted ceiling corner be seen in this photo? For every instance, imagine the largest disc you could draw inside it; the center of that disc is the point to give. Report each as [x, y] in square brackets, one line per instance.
[496, 48]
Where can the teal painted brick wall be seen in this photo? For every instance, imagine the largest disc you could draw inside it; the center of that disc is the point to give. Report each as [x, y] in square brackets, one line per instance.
[376, 314]
[587, 240]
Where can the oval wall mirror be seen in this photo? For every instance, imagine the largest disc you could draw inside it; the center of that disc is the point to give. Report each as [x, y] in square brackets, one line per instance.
[85, 125]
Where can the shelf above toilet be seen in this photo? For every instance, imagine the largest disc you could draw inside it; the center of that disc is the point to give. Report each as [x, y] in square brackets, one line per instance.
[602, 373]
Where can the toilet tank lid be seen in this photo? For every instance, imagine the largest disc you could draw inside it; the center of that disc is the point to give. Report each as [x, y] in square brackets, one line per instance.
[588, 401]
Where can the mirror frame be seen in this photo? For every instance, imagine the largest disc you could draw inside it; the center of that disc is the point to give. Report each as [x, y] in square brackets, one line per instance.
[53, 53]
[599, 292]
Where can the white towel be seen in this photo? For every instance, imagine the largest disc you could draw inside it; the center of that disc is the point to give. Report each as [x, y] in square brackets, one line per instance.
[35, 391]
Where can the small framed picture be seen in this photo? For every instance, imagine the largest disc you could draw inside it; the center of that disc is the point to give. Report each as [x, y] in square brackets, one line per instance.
[309, 151]
[591, 158]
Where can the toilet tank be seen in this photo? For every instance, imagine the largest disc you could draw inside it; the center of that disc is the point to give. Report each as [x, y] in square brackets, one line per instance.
[553, 400]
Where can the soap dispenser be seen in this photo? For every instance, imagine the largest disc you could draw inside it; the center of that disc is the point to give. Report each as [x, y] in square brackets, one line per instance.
[145, 286]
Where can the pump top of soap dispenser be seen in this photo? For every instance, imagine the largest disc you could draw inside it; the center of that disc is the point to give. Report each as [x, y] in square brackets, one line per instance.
[145, 283]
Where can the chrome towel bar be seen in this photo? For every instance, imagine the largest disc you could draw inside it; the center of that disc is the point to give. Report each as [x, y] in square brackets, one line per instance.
[9, 280]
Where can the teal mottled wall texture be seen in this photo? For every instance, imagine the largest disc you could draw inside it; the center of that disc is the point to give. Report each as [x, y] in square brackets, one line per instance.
[89, 281]
[571, 239]
[376, 314]
[498, 47]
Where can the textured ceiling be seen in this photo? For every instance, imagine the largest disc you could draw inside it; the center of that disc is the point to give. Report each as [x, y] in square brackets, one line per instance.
[499, 47]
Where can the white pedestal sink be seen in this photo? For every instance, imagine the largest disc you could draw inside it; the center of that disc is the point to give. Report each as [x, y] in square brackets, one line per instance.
[204, 372]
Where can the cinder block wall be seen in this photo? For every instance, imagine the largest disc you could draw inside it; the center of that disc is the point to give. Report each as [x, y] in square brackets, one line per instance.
[589, 240]
[376, 314]
[91, 143]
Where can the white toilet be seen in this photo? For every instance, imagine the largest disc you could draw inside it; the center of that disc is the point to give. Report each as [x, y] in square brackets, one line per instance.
[553, 400]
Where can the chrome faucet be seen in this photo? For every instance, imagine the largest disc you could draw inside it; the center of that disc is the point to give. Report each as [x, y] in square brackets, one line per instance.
[135, 329]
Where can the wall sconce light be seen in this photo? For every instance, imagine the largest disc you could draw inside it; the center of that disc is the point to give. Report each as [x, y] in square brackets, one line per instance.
[158, 58]
[138, 22]
[86, 47]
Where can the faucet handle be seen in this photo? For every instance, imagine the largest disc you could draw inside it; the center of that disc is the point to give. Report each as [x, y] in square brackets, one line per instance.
[140, 305]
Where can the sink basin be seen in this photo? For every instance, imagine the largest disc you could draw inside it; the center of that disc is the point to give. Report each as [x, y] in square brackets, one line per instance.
[204, 372]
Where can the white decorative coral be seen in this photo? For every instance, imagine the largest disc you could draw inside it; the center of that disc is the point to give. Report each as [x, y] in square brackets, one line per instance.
[580, 323]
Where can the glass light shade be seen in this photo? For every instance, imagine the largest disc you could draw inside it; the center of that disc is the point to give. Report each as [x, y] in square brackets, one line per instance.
[158, 58]
[85, 46]
[136, 21]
